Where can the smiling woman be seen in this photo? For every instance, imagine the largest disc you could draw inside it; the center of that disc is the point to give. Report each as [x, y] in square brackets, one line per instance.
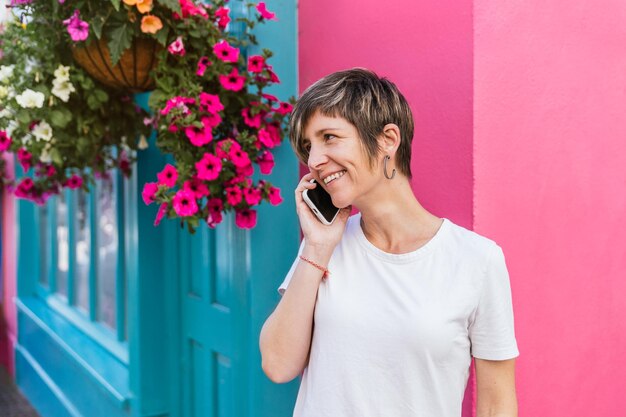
[411, 297]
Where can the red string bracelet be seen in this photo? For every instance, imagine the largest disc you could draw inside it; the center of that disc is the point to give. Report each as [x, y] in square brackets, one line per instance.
[320, 267]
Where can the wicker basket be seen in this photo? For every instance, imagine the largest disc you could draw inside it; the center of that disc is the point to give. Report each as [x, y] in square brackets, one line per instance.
[132, 72]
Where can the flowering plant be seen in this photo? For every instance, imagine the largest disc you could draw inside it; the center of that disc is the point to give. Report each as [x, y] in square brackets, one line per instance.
[64, 128]
[213, 115]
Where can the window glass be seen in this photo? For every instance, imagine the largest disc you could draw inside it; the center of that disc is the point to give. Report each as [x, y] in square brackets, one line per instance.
[107, 238]
[63, 244]
[82, 230]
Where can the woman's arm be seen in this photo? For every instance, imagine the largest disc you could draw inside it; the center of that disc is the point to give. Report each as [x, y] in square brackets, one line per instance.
[495, 384]
[286, 335]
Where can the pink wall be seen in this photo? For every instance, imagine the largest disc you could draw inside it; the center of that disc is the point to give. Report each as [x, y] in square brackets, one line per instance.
[550, 166]
[8, 327]
[426, 49]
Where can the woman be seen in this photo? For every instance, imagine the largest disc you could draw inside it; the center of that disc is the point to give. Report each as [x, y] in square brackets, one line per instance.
[410, 297]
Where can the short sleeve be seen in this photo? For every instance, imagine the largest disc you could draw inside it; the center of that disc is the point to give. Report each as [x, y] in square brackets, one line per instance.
[285, 284]
[491, 330]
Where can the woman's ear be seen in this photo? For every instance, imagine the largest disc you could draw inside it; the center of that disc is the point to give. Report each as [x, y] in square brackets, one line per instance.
[390, 139]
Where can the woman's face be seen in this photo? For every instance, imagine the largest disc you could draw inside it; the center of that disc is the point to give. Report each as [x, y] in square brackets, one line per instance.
[337, 159]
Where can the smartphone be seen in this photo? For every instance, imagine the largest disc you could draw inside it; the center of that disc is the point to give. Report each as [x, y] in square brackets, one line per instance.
[321, 204]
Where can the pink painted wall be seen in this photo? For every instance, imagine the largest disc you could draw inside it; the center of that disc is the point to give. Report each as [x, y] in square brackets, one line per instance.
[550, 166]
[426, 49]
[8, 326]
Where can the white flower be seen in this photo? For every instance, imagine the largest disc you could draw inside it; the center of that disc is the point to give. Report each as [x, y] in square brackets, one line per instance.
[6, 72]
[62, 89]
[62, 73]
[30, 99]
[11, 127]
[4, 113]
[4, 91]
[42, 131]
[45, 155]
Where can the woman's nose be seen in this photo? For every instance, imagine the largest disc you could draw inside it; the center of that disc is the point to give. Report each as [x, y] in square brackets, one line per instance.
[317, 157]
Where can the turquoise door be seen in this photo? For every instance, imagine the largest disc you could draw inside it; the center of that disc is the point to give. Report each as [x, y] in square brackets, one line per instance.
[227, 278]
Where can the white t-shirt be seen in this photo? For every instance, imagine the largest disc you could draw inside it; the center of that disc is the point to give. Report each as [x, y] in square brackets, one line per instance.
[394, 333]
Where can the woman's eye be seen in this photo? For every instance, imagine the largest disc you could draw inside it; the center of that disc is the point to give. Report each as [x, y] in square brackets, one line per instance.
[328, 136]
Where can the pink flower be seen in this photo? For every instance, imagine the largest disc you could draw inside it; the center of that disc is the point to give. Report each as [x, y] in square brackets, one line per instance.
[215, 206]
[269, 97]
[246, 218]
[78, 29]
[274, 196]
[274, 131]
[160, 213]
[149, 190]
[225, 52]
[25, 158]
[266, 162]
[200, 137]
[239, 157]
[232, 81]
[209, 167]
[168, 176]
[252, 196]
[256, 63]
[252, 121]
[273, 76]
[224, 147]
[233, 195]
[184, 203]
[74, 182]
[284, 108]
[265, 14]
[266, 138]
[203, 64]
[188, 8]
[212, 120]
[177, 47]
[50, 170]
[25, 188]
[178, 102]
[5, 141]
[245, 170]
[197, 187]
[222, 16]
[211, 102]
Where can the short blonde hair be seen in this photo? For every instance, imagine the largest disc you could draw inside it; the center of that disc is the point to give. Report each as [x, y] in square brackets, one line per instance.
[365, 100]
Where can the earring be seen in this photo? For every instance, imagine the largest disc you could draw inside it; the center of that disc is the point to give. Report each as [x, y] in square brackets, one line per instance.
[393, 173]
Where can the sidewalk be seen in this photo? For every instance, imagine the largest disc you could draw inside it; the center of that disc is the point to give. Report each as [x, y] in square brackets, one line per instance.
[12, 403]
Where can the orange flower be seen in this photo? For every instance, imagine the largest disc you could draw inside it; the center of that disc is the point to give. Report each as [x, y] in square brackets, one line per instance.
[130, 2]
[144, 6]
[151, 24]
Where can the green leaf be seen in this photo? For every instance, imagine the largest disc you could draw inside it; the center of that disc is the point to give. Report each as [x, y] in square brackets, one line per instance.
[23, 116]
[173, 5]
[96, 25]
[116, 4]
[161, 35]
[55, 155]
[101, 96]
[60, 118]
[120, 39]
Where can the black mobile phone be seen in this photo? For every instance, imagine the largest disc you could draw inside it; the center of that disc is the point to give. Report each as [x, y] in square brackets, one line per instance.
[321, 204]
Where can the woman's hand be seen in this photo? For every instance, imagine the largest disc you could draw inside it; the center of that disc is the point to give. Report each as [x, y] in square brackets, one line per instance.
[315, 232]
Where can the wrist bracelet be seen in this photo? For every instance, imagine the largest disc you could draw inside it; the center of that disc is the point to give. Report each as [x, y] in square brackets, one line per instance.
[321, 268]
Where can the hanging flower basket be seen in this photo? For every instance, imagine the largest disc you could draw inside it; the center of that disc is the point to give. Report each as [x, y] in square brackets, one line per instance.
[132, 72]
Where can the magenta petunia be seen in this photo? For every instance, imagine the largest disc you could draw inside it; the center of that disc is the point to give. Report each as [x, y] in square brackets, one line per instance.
[256, 63]
[224, 147]
[245, 219]
[222, 17]
[232, 81]
[168, 176]
[225, 52]
[50, 170]
[184, 203]
[25, 189]
[209, 167]
[74, 182]
[211, 102]
[200, 137]
[203, 64]
[239, 157]
[177, 47]
[265, 14]
[25, 158]
[274, 196]
[188, 8]
[5, 141]
[178, 102]
[160, 213]
[149, 190]
[266, 138]
[252, 121]
[269, 97]
[284, 108]
[215, 206]
[275, 132]
[78, 29]
[266, 162]
[273, 77]
[252, 196]
[233, 195]
[198, 187]
[245, 170]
